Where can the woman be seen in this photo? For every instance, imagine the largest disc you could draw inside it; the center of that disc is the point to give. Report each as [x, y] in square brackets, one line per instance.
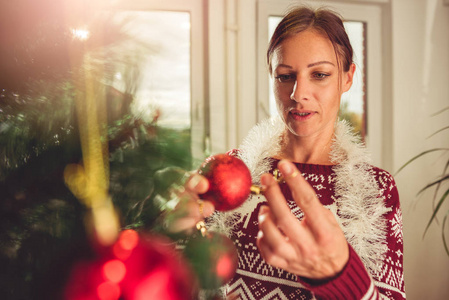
[336, 231]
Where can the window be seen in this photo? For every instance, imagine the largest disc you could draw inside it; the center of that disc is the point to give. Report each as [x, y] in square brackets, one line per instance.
[353, 102]
[221, 46]
[170, 83]
[163, 90]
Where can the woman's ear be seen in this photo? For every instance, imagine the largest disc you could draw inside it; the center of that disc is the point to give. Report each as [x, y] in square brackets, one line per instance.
[348, 77]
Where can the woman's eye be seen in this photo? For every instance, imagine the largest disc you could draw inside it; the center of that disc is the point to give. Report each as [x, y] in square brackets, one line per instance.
[320, 75]
[285, 78]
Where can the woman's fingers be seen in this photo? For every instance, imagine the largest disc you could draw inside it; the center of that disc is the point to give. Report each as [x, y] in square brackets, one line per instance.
[188, 213]
[281, 212]
[314, 247]
[304, 196]
[197, 184]
[274, 197]
[199, 209]
[279, 225]
[191, 209]
[272, 244]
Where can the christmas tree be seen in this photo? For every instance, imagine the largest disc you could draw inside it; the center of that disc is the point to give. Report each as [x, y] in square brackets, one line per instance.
[48, 71]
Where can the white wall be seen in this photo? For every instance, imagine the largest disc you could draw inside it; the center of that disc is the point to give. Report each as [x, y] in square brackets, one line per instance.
[420, 87]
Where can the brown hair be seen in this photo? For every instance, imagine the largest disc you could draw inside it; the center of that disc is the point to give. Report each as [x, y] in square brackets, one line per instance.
[323, 20]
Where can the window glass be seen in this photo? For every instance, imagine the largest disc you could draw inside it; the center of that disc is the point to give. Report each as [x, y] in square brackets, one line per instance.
[353, 104]
[163, 88]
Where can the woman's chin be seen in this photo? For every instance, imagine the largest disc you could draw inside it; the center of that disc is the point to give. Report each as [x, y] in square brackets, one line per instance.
[300, 131]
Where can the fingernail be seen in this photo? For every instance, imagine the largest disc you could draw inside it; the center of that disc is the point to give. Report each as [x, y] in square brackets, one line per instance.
[262, 213]
[261, 218]
[193, 182]
[266, 180]
[208, 208]
[263, 209]
[285, 167]
[260, 234]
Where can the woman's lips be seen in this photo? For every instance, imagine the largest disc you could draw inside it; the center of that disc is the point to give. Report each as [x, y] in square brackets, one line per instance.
[302, 115]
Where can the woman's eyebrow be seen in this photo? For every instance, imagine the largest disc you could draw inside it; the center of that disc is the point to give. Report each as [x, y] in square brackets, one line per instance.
[320, 63]
[309, 65]
[285, 66]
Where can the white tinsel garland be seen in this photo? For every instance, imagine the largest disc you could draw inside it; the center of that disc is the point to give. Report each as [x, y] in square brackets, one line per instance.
[360, 210]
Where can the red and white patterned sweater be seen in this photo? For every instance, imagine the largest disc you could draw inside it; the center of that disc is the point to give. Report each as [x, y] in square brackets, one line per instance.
[255, 279]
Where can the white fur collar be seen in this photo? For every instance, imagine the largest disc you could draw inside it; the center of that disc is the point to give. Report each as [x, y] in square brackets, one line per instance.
[360, 212]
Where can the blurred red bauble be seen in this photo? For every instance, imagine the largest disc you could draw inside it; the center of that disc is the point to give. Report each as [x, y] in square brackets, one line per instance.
[214, 259]
[135, 268]
[229, 181]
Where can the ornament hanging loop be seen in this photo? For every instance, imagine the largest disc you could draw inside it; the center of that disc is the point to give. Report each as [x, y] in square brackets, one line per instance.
[201, 225]
[259, 190]
[201, 207]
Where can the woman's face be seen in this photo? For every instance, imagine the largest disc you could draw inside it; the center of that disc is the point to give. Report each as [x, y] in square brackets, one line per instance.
[306, 83]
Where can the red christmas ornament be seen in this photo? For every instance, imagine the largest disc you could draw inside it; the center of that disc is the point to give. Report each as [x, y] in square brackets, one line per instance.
[214, 259]
[134, 268]
[229, 181]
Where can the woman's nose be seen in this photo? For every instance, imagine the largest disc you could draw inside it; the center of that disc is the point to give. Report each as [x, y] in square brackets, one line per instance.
[292, 96]
[299, 91]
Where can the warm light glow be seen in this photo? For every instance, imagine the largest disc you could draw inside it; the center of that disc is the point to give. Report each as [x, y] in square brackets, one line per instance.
[81, 34]
[128, 239]
[114, 270]
[126, 242]
[121, 253]
[224, 267]
[105, 220]
[156, 285]
[108, 291]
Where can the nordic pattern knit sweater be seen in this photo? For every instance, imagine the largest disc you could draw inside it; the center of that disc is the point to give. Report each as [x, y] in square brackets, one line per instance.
[255, 279]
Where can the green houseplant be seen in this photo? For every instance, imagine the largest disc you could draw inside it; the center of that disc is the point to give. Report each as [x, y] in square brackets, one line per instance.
[440, 185]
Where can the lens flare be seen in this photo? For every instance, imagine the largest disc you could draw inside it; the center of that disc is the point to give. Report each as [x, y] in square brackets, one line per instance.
[125, 244]
[114, 270]
[225, 267]
[81, 34]
[108, 291]
[128, 239]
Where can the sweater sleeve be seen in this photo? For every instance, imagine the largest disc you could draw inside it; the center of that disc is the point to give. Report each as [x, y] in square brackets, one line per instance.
[354, 281]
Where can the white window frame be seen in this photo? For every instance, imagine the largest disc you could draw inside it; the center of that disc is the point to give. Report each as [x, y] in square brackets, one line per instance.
[232, 71]
[197, 76]
[378, 123]
[229, 88]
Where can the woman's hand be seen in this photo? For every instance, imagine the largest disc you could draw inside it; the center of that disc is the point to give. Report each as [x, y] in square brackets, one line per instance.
[314, 247]
[191, 209]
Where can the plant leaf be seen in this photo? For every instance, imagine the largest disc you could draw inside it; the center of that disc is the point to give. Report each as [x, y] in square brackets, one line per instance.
[436, 210]
[419, 155]
[433, 183]
[437, 189]
[444, 128]
[439, 112]
[442, 233]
